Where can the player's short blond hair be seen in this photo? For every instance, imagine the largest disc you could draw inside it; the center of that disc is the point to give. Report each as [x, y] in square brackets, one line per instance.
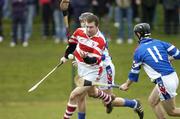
[84, 15]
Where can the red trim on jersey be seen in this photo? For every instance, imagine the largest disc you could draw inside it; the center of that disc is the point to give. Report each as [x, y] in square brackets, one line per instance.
[100, 72]
[101, 42]
[76, 54]
[72, 40]
[88, 49]
[99, 60]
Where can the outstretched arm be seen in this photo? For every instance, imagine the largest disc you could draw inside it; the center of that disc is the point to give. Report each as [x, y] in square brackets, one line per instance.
[134, 72]
[125, 86]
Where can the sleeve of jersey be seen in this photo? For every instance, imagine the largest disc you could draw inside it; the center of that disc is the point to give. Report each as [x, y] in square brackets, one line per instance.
[172, 50]
[73, 38]
[70, 49]
[72, 43]
[135, 69]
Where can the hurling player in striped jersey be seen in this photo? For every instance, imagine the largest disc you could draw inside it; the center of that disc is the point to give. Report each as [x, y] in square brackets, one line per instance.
[153, 55]
[107, 76]
[87, 45]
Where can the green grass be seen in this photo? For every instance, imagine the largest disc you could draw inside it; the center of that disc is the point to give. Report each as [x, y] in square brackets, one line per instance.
[21, 68]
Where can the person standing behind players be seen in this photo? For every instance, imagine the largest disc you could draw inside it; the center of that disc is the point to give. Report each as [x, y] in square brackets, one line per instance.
[60, 30]
[79, 6]
[47, 18]
[87, 45]
[31, 12]
[125, 9]
[107, 77]
[153, 55]
[18, 19]
[171, 16]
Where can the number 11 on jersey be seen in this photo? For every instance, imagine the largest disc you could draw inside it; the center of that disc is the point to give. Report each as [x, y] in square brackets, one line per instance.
[156, 59]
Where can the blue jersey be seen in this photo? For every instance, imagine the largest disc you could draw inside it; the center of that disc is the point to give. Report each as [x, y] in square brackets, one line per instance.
[153, 55]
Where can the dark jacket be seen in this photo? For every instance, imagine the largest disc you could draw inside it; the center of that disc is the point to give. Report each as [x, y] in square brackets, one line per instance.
[19, 8]
[55, 4]
[1, 3]
[29, 2]
[101, 9]
[149, 3]
[171, 4]
[81, 3]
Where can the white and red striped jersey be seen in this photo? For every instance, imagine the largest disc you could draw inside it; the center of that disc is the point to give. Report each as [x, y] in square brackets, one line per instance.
[92, 46]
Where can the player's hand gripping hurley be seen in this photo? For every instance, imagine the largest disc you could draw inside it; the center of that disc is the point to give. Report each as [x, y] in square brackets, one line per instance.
[36, 85]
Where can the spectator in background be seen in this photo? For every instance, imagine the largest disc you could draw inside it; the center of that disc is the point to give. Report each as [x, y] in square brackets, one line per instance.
[1, 16]
[37, 7]
[18, 20]
[111, 9]
[101, 9]
[125, 9]
[148, 11]
[60, 30]
[171, 20]
[47, 18]
[79, 6]
[70, 12]
[7, 8]
[136, 10]
[116, 16]
[31, 9]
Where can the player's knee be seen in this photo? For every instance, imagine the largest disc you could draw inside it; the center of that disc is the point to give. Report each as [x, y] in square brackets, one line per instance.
[73, 96]
[91, 94]
[152, 102]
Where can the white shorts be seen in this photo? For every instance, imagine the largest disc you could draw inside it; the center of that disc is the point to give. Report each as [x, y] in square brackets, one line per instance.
[88, 72]
[107, 76]
[167, 89]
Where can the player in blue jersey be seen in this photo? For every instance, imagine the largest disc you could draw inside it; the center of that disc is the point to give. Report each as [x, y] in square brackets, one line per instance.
[153, 55]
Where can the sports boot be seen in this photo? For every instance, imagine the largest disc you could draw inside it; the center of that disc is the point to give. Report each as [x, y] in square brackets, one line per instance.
[139, 110]
[109, 107]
